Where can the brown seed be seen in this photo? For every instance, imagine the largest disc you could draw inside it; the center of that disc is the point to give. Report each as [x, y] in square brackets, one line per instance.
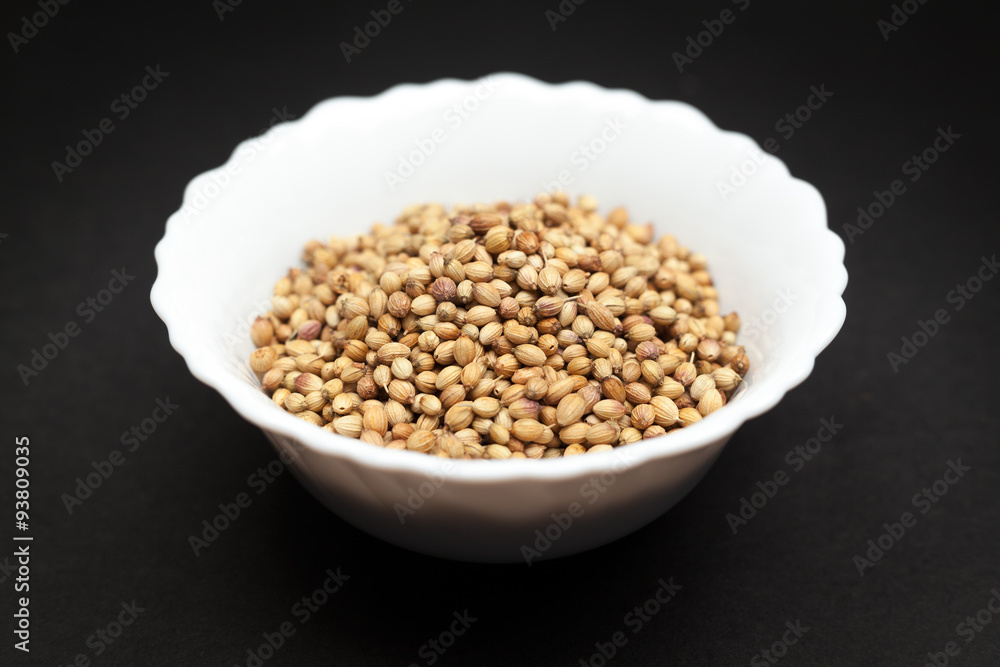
[614, 389]
[479, 272]
[709, 349]
[459, 416]
[306, 383]
[396, 413]
[529, 355]
[450, 445]
[664, 411]
[443, 289]
[486, 406]
[560, 389]
[376, 420]
[452, 395]
[261, 331]
[740, 364]
[398, 305]
[548, 306]
[486, 294]
[427, 404]
[523, 408]
[549, 280]
[609, 409]
[499, 433]
[601, 316]
[570, 410]
[295, 402]
[420, 441]
[685, 401]
[602, 434]
[535, 388]
[688, 416]
[496, 451]
[527, 430]
[272, 380]
[480, 315]
[401, 391]
[348, 425]
[686, 373]
[465, 351]
[482, 222]
[701, 385]
[262, 359]
[641, 333]
[710, 401]
[726, 379]
[652, 372]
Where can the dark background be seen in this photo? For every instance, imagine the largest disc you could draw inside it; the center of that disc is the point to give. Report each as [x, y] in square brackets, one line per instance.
[794, 561]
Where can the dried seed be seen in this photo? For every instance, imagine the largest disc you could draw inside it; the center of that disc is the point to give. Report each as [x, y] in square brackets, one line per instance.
[726, 379]
[496, 451]
[609, 409]
[602, 434]
[420, 441]
[664, 411]
[710, 401]
[262, 359]
[527, 430]
[529, 355]
[570, 410]
[701, 385]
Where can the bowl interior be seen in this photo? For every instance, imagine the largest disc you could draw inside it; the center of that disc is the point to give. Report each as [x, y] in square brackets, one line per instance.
[243, 225]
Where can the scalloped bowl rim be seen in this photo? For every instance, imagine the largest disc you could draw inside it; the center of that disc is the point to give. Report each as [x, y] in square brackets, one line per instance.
[721, 425]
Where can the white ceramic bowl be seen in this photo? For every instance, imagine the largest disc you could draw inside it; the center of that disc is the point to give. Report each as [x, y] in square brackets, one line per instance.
[504, 137]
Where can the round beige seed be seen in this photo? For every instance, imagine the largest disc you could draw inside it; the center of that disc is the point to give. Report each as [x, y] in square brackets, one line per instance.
[420, 441]
[570, 409]
[262, 359]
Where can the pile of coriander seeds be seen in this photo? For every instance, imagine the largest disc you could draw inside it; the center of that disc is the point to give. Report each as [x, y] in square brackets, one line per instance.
[529, 330]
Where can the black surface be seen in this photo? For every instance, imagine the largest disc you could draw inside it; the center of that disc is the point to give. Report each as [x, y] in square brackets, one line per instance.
[793, 561]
